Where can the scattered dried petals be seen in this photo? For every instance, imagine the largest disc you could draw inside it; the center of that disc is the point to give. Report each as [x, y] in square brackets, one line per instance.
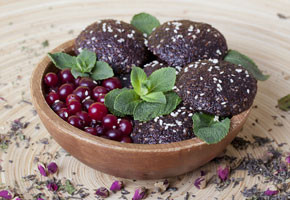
[52, 168]
[117, 186]
[199, 182]
[52, 187]
[287, 159]
[42, 169]
[140, 193]
[162, 186]
[5, 194]
[270, 192]
[223, 172]
[102, 192]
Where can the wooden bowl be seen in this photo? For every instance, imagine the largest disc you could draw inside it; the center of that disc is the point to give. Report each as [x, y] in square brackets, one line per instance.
[135, 161]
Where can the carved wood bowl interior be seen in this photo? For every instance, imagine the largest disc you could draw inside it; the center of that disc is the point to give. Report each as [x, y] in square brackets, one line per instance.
[135, 161]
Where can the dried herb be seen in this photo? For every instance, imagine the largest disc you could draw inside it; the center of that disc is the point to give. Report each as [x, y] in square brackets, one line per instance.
[284, 103]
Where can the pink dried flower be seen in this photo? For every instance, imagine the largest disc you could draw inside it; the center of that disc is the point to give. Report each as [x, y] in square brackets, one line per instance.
[52, 187]
[140, 193]
[116, 186]
[287, 159]
[40, 199]
[198, 181]
[42, 169]
[270, 192]
[5, 194]
[223, 173]
[52, 167]
[102, 192]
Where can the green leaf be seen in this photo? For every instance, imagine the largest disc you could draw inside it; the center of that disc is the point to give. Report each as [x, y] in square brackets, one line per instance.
[154, 97]
[69, 188]
[126, 102]
[62, 60]
[145, 111]
[208, 129]
[237, 58]
[145, 22]
[101, 71]
[284, 103]
[110, 100]
[86, 60]
[76, 73]
[138, 80]
[172, 101]
[162, 80]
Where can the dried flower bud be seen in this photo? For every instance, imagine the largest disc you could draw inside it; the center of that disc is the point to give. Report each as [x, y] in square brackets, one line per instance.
[52, 187]
[162, 186]
[52, 167]
[201, 181]
[102, 192]
[271, 192]
[267, 156]
[287, 159]
[140, 193]
[223, 172]
[116, 186]
[42, 169]
[6, 194]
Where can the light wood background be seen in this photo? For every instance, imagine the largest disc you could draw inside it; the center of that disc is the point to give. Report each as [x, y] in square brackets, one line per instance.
[251, 27]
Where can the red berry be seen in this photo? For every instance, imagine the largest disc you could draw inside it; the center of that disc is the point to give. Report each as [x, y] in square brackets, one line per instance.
[112, 83]
[77, 81]
[64, 113]
[85, 117]
[76, 121]
[57, 106]
[97, 111]
[86, 104]
[71, 97]
[125, 127]
[126, 139]
[91, 130]
[65, 90]
[97, 91]
[101, 98]
[82, 92]
[87, 82]
[51, 98]
[114, 134]
[100, 130]
[51, 79]
[66, 76]
[110, 121]
[74, 106]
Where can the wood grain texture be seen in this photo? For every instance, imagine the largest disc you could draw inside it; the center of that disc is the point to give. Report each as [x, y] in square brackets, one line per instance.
[251, 27]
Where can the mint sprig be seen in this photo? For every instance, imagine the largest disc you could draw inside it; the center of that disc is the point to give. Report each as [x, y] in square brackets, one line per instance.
[145, 22]
[150, 97]
[237, 58]
[83, 65]
[209, 128]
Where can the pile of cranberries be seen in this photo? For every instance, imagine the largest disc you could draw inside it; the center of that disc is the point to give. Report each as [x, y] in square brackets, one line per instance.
[80, 102]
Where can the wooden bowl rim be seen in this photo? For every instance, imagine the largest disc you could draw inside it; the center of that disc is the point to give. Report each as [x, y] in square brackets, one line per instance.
[36, 86]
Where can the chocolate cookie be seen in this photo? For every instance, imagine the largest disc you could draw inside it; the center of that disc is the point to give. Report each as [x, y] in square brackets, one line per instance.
[216, 87]
[174, 127]
[118, 43]
[181, 42]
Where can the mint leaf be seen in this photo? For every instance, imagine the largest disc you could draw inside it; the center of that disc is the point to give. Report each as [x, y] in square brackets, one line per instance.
[145, 111]
[154, 97]
[237, 58]
[87, 60]
[138, 79]
[172, 101]
[145, 22]
[69, 188]
[162, 80]
[62, 60]
[102, 70]
[77, 74]
[126, 102]
[110, 100]
[210, 130]
[284, 103]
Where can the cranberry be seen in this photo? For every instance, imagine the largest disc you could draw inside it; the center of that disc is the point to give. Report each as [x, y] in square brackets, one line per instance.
[77, 81]
[114, 134]
[51, 98]
[76, 121]
[112, 83]
[57, 106]
[85, 117]
[51, 79]
[71, 97]
[88, 82]
[100, 130]
[110, 121]
[65, 90]
[87, 103]
[97, 91]
[66, 76]
[82, 92]
[91, 130]
[74, 106]
[64, 113]
[101, 98]
[97, 111]
[125, 127]
[126, 139]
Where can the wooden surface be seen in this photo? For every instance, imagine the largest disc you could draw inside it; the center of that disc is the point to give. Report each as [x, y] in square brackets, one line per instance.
[251, 27]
